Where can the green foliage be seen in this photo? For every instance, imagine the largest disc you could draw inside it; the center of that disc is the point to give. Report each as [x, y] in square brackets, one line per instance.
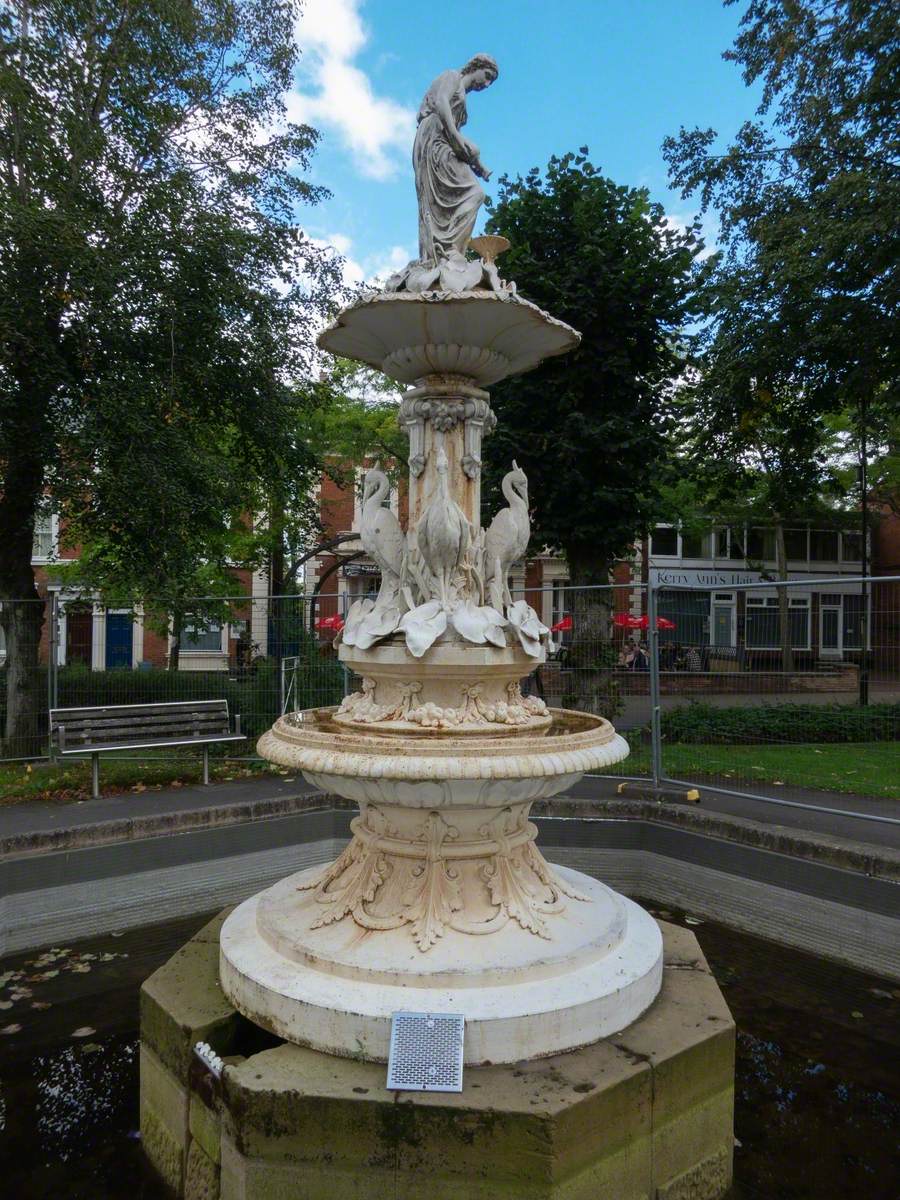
[786, 723]
[588, 428]
[807, 194]
[156, 295]
[254, 693]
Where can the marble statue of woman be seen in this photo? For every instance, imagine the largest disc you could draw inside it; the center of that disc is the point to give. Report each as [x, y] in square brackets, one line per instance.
[447, 166]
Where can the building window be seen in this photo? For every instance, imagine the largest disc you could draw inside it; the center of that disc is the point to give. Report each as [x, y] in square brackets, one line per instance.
[853, 621]
[664, 542]
[851, 547]
[823, 545]
[761, 545]
[694, 545]
[795, 546]
[761, 628]
[689, 613]
[43, 545]
[558, 610]
[729, 542]
[194, 639]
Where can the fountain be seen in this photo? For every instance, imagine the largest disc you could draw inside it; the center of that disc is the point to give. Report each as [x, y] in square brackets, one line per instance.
[442, 903]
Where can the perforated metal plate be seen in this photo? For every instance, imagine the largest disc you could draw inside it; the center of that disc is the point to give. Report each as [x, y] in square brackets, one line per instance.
[426, 1052]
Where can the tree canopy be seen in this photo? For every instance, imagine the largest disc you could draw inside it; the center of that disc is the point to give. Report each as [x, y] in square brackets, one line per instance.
[156, 294]
[589, 428]
[807, 193]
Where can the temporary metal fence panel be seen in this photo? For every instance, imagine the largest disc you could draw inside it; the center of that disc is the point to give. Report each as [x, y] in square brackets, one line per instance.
[234, 648]
[729, 687]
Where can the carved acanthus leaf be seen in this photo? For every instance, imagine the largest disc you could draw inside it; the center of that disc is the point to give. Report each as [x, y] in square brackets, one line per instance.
[434, 893]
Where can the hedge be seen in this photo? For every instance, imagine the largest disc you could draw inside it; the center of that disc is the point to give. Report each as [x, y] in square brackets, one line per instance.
[255, 694]
[794, 723]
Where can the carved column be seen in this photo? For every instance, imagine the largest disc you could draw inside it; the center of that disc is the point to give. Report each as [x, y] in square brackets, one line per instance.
[448, 410]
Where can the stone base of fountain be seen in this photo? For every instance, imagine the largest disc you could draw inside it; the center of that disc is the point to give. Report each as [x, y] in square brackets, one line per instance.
[646, 1113]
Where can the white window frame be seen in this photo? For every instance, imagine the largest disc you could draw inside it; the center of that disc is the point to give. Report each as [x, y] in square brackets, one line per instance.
[805, 601]
[223, 641]
[54, 541]
[666, 525]
[832, 651]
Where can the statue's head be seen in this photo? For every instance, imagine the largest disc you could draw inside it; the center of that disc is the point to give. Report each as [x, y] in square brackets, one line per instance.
[480, 72]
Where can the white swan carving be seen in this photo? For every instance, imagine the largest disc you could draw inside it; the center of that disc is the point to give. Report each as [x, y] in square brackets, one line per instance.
[507, 538]
[443, 533]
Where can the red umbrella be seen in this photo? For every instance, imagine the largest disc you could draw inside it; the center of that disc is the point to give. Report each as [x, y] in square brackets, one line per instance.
[563, 626]
[627, 621]
[336, 622]
[661, 623]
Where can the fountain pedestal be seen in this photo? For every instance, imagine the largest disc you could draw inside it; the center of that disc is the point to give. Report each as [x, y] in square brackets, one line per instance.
[594, 1070]
[644, 1114]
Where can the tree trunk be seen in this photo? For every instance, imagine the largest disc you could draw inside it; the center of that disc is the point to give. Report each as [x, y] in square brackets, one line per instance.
[22, 615]
[590, 684]
[177, 630]
[784, 604]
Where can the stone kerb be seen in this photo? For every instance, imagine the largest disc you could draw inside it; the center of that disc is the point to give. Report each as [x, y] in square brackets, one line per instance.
[644, 1115]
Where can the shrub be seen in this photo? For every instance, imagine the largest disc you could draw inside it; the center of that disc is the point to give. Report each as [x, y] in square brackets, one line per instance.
[254, 693]
[794, 723]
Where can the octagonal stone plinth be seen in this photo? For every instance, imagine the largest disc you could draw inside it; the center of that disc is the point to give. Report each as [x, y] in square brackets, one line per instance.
[644, 1115]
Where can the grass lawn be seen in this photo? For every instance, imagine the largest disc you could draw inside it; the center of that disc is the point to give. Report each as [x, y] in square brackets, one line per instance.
[71, 779]
[867, 768]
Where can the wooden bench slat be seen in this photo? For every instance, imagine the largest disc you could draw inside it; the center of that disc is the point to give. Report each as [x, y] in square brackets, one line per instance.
[137, 711]
[98, 748]
[201, 720]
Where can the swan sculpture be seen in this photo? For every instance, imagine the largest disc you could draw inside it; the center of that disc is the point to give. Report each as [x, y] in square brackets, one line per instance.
[385, 543]
[443, 532]
[379, 531]
[507, 538]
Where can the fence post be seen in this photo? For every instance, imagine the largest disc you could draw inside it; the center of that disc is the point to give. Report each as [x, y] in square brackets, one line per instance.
[52, 664]
[655, 711]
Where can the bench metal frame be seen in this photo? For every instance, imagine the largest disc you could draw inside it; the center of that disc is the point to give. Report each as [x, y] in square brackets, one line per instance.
[94, 752]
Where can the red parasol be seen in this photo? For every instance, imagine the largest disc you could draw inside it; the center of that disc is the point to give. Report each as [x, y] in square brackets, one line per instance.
[563, 626]
[336, 622]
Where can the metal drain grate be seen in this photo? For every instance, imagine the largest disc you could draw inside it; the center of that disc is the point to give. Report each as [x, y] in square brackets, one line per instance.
[426, 1052]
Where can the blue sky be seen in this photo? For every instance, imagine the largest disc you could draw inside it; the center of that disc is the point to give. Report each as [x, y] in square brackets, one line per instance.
[615, 75]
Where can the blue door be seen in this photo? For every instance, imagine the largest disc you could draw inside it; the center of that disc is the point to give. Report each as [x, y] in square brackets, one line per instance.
[118, 640]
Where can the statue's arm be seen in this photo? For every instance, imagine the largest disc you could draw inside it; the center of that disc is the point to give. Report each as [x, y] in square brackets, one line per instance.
[444, 91]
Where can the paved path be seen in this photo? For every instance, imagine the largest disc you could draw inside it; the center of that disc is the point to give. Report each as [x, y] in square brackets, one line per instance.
[877, 832]
[19, 820]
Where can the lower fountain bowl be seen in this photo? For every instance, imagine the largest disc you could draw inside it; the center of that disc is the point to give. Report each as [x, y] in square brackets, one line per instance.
[522, 997]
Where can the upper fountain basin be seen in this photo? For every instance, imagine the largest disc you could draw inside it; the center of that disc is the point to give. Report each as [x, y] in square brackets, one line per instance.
[481, 335]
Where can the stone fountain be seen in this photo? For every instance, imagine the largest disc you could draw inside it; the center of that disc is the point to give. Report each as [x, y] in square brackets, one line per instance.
[442, 902]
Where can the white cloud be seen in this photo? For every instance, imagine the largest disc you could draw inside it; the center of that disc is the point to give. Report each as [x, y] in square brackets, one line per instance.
[371, 268]
[333, 93]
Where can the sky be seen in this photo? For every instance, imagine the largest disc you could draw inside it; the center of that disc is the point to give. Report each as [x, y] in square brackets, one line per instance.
[617, 76]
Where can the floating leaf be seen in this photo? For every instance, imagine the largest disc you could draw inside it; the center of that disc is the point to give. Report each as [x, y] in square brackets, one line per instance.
[857, 1015]
[83, 1031]
[10, 1029]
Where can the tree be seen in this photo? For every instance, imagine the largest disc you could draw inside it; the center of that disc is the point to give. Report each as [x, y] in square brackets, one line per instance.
[807, 194]
[589, 428]
[155, 292]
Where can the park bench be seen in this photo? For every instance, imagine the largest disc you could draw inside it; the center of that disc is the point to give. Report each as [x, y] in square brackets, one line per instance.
[92, 731]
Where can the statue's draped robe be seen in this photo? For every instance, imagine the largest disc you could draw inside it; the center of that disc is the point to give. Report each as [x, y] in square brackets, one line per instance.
[448, 191]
